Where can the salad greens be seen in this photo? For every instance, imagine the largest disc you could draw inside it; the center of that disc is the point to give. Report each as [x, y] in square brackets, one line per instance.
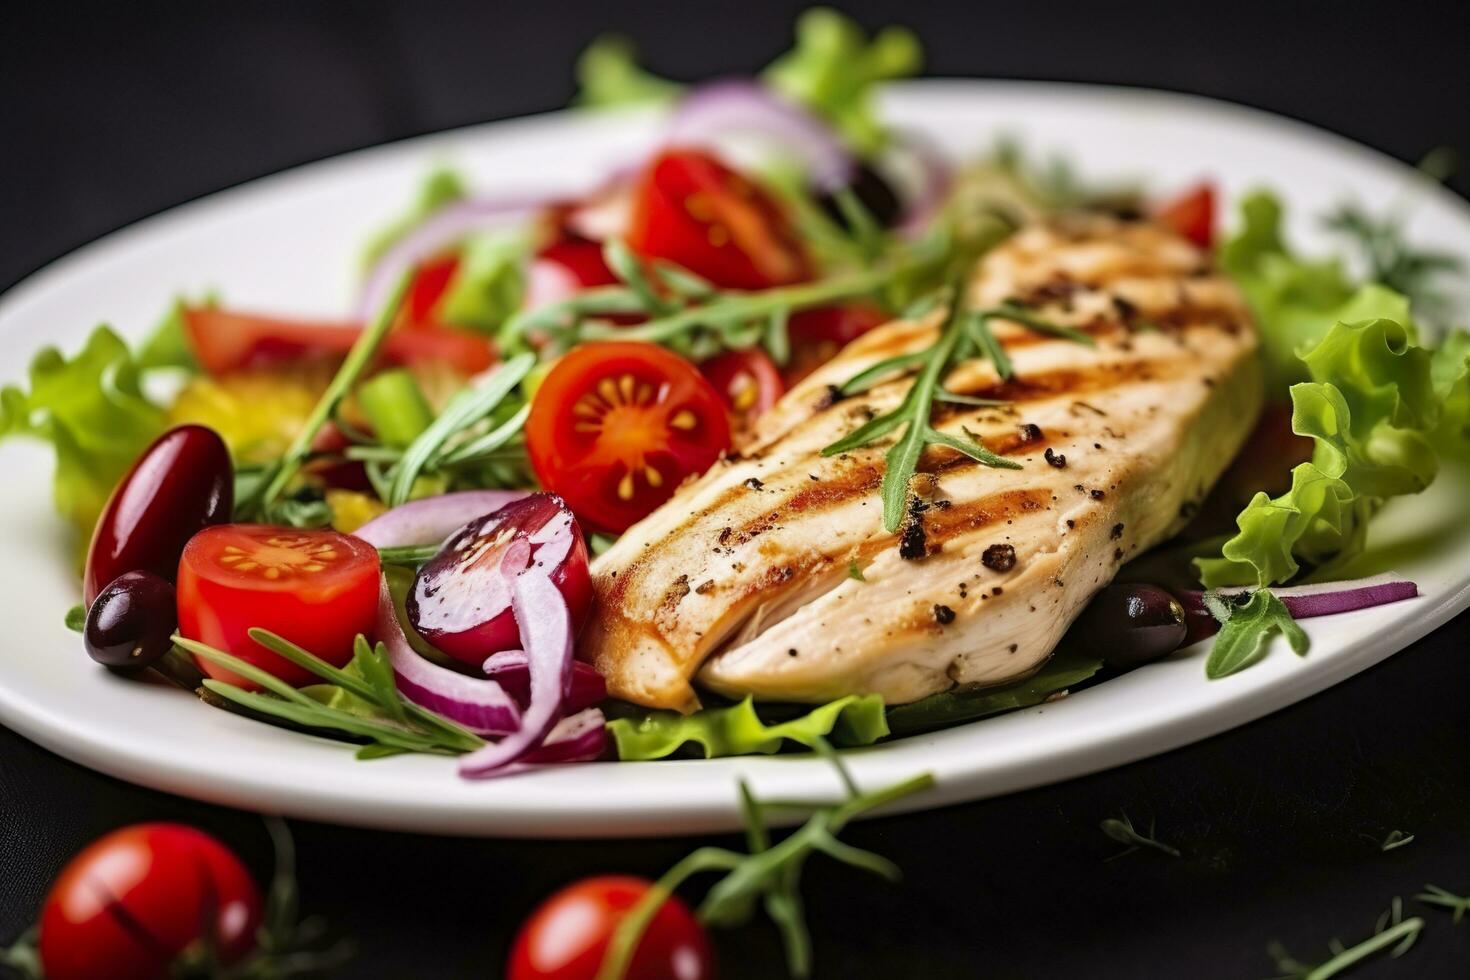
[92, 410]
[739, 730]
[833, 70]
[1065, 669]
[442, 186]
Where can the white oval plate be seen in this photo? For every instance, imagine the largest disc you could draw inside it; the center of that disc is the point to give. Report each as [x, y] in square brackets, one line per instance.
[288, 243]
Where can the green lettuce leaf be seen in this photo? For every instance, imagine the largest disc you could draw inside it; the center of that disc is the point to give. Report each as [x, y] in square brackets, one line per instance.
[738, 730]
[1242, 637]
[490, 282]
[92, 410]
[1068, 667]
[1296, 300]
[834, 68]
[168, 345]
[442, 186]
[608, 74]
[1371, 408]
[1451, 373]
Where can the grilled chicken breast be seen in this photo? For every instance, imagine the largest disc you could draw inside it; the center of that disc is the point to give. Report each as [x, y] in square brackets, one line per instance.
[773, 575]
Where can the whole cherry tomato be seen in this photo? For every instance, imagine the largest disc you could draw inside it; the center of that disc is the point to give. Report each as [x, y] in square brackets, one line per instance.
[616, 427]
[1191, 214]
[818, 334]
[132, 901]
[567, 936]
[318, 589]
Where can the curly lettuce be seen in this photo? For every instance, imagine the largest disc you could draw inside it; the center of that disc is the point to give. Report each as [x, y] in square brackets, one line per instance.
[92, 410]
[739, 730]
[1372, 409]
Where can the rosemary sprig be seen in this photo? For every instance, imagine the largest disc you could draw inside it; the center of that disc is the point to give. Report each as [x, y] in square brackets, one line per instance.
[1395, 840]
[358, 359]
[1392, 932]
[913, 413]
[1121, 829]
[397, 724]
[770, 873]
[1435, 895]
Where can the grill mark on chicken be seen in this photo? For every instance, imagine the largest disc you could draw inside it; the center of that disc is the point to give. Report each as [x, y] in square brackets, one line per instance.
[771, 561]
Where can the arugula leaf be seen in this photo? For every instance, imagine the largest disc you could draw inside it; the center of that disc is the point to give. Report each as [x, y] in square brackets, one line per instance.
[92, 410]
[442, 186]
[1068, 667]
[739, 730]
[833, 70]
[608, 74]
[1371, 408]
[1242, 638]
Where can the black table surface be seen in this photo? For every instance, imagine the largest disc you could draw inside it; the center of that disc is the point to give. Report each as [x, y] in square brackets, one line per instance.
[110, 113]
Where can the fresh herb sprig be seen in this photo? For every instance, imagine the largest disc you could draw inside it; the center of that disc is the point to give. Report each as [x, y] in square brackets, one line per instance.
[1392, 932]
[770, 873]
[1442, 898]
[1247, 621]
[913, 413]
[395, 724]
[1121, 829]
[1383, 246]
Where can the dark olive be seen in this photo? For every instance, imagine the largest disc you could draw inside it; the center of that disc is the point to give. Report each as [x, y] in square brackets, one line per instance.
[873, 192]
[1129, 625]
[132, 623]
[182, 484]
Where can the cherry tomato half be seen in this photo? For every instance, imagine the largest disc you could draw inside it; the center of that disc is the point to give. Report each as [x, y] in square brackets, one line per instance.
[748, 380]
[429, 285]
[1191, 214]
[567, 936]
[132, 901]
[225, 341]
[318, 589]
[694, 211]
[818, 334]
[616, 427]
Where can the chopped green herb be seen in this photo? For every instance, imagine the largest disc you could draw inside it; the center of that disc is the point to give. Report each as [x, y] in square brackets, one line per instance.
[1437, 896]
[1392, 932]
[1243, 636]
[1121, 829]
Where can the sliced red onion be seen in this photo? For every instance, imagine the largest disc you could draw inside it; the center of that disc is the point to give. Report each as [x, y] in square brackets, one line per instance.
[461, 599]
[549, 282]
[713, 113]
[579, 737]
[1322, 599]
[546, 627]
[443, 228]
[481, 705]
[928, 177]
[511, 669]
[431, 520]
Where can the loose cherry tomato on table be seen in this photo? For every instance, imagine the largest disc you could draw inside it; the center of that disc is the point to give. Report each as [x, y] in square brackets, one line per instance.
[567, 936]
[616, 427]
[748, 380]
[818, 334]
[318, 589]
[225, 341]
[696, 212]
[131, 902]
[1191, 214]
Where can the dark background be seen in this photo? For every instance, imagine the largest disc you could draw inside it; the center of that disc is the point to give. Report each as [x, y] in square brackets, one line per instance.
[109, 113]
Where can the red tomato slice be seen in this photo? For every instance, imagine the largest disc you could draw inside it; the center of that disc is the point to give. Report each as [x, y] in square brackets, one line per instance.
[616, 427]
[818, 334]
[581, 258]
[318, 589]
[567, 936]
[694, 211]
[225, 341]
[1191, 214]
[429, 285]
[748, 380]
[132, 901]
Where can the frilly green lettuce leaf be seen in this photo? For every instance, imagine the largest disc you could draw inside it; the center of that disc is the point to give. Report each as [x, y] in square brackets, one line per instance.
[1295, 300]
[738, 730]
[1370, 408]
[1451, 373]
[92, 410]
[608, 74]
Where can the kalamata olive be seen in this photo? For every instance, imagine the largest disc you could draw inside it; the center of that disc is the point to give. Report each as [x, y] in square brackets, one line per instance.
[873, 192]
[460, 600]
[132, 622]
[1128, 625]
[182, 484]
